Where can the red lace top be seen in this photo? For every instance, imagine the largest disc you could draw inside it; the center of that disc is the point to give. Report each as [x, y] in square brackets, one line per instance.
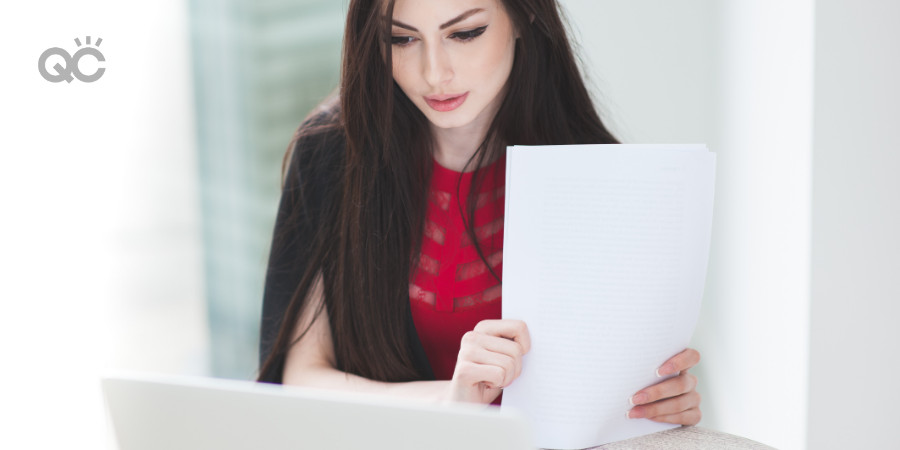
[451, 289]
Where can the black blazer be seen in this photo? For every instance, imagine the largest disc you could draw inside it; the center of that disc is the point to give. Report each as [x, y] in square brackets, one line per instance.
[316, 161]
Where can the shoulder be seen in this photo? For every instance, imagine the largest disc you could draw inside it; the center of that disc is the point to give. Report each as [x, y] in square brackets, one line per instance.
[317, 148]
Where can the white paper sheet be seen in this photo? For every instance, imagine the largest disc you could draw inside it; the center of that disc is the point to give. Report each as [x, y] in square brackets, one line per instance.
[604, 257]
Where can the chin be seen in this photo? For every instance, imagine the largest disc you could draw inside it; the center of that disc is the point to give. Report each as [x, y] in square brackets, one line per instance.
[448, 122]
[452, 119]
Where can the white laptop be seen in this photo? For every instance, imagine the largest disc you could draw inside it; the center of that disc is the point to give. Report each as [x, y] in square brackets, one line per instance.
[173, 413]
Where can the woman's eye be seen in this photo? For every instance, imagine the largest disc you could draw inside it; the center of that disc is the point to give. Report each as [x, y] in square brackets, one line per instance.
[401, 40]
[466, 36]
[462, 36]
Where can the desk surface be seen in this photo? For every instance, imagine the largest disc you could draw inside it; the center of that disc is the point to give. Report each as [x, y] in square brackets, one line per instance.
[686, 438]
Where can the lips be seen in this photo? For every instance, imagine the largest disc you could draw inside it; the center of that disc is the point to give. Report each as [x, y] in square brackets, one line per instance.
[447, 102]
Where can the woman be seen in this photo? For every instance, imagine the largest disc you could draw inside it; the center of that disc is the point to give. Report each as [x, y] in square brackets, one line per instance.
[386, 262]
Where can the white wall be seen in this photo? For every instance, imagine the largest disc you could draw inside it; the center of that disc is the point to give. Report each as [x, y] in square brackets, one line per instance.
[855, 340]
[737, 76]
[757, 326]
[652, 64]
[99, 252]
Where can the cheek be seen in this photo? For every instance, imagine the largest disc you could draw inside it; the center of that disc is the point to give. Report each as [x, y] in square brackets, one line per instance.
[493, 62]
[396, 69]
[402, 72]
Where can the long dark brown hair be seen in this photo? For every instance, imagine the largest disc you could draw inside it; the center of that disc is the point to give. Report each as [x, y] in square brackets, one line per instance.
[369, 239]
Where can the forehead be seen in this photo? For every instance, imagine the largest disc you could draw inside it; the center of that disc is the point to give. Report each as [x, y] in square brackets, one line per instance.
[431, 13]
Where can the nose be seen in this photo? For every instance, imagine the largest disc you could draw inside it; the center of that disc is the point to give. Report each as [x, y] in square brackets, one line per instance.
[438, 69]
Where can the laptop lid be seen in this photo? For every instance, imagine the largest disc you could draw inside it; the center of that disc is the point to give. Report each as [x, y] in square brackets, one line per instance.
[167, 412]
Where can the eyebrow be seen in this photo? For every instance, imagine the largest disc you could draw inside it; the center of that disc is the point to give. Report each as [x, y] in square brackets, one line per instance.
[449, 23]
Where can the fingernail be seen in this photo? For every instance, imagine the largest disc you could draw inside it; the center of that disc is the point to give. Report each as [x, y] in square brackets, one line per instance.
[628, 414]
[633, 414]
[638, 399]
[666, 369]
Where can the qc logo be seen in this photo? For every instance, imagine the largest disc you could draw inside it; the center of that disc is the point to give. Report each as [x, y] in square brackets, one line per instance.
[71, 68]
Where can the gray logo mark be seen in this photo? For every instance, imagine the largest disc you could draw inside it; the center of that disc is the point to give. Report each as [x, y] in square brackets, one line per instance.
[71, 68]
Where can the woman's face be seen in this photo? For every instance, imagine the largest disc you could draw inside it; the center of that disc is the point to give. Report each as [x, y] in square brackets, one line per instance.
[452, 58]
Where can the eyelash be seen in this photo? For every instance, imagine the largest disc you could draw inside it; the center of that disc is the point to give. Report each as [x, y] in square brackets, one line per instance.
[461, 36]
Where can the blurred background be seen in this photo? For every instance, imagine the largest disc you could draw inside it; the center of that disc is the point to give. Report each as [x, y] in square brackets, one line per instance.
[138, 209]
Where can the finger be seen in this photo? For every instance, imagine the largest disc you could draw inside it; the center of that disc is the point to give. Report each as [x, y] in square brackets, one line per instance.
[492, 343]
[672, 387]
[471, 373]
[475, 339]
[689, 417]
[669, 406]
[507, 328]
[481, 355]
[682, 361]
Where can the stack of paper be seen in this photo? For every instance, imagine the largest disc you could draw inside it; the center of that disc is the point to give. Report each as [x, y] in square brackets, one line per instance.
[604, 257]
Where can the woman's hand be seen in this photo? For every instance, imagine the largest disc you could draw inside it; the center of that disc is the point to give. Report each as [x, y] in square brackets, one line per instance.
[674, 400]
[490, 358]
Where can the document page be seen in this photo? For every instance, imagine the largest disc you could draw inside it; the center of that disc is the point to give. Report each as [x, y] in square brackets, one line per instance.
[604, 258]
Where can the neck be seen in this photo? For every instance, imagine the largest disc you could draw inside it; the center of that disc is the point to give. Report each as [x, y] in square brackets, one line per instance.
[453, 147]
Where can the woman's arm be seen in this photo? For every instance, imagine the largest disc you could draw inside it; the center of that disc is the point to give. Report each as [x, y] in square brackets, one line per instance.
[311, 361]
[313, 171]
[490, 358]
